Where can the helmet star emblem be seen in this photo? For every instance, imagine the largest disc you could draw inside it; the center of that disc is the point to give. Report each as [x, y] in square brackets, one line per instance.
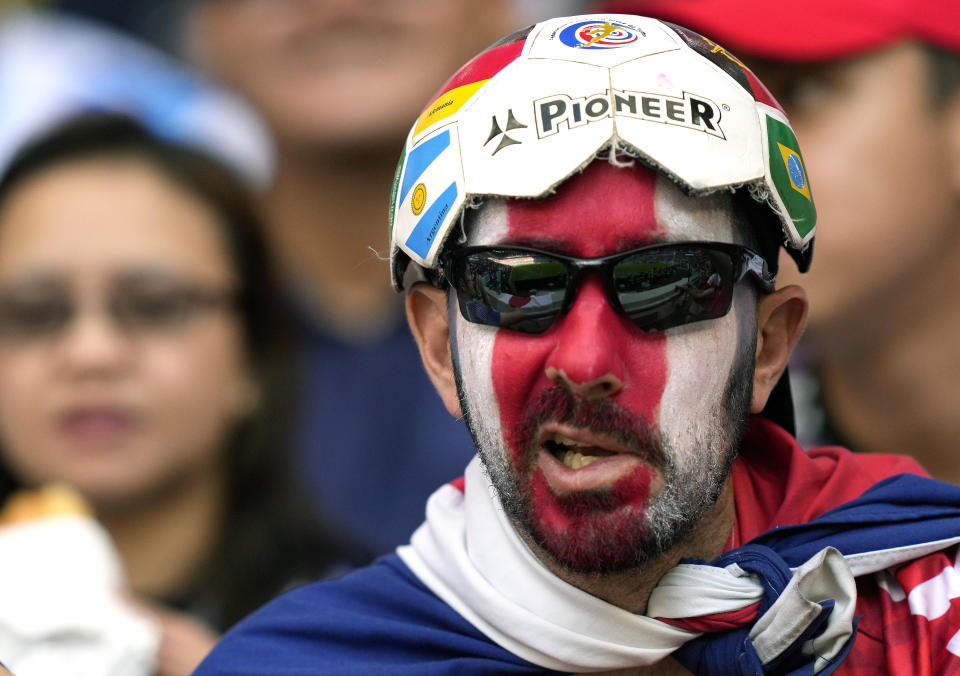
[495, 131]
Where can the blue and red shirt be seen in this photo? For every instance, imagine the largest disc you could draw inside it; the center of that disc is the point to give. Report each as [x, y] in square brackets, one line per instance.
[789, 506]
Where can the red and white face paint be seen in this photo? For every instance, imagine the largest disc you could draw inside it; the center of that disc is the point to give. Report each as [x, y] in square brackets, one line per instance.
[605, 441]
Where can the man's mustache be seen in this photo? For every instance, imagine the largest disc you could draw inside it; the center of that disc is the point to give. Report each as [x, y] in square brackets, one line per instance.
[559, 405]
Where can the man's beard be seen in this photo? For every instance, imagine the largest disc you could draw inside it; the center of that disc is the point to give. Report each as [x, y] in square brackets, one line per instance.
[620, 527]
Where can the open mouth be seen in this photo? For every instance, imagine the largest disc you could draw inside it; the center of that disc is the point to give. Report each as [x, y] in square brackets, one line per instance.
[579, 450]
[575, 460]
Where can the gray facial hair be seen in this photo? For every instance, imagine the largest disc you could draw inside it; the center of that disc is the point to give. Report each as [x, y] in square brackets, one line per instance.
[692, 480]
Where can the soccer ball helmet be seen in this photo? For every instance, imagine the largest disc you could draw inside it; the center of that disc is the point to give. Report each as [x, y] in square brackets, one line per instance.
[539, 105]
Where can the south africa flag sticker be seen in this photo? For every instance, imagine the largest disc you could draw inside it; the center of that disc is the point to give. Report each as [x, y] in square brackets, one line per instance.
[789, 175]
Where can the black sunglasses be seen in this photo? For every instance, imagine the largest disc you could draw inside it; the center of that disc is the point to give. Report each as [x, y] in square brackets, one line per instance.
[657, 287]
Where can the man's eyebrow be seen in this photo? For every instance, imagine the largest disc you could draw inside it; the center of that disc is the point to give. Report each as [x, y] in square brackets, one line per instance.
[628, 244]
[533, 242]
[565, 246]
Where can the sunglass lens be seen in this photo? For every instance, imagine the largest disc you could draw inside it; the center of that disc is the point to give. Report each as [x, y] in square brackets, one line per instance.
[515, 290]
[660, 289]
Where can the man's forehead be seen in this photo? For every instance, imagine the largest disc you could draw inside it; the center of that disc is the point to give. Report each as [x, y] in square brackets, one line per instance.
[603, 210]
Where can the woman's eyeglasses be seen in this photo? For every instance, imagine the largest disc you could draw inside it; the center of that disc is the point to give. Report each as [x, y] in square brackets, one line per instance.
[33, 314]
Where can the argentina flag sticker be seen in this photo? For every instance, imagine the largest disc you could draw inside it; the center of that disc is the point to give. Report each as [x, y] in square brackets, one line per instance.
[428, 192]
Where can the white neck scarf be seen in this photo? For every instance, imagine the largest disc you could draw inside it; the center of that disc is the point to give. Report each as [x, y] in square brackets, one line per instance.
[469, 555]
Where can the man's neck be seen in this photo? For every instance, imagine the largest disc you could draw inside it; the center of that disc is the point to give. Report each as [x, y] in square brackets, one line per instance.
[631, 589]
[890, 382]
[327, 222]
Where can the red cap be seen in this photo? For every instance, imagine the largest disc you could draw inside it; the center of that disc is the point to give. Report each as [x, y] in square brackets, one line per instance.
[805, 30]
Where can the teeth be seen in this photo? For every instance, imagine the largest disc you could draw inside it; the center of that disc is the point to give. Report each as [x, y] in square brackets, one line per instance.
[575, 460]
[566, 441]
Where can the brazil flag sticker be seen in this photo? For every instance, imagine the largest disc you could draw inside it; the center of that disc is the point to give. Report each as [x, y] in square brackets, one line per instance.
[789, 175]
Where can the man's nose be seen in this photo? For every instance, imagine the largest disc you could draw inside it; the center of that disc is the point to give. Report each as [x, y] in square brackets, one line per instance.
[586, 359]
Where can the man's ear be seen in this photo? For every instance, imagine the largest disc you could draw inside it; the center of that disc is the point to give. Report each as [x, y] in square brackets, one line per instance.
[781, 318]
[430, 325]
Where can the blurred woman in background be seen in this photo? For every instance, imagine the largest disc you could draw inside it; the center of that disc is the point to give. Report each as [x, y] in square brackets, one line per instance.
[144, 361]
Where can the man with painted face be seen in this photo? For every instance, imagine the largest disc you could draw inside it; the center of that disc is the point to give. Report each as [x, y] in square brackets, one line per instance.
[872, 90]
[586, 221]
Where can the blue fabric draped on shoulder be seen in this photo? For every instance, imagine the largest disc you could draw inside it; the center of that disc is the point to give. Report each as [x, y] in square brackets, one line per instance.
[377, 620]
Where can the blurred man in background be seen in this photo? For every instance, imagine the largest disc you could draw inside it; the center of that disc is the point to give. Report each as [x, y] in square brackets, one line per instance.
[337, 83]
[872, 90]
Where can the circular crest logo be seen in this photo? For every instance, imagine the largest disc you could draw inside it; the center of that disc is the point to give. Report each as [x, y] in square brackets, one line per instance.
[598, 35]
[796, 171]
[419, 199]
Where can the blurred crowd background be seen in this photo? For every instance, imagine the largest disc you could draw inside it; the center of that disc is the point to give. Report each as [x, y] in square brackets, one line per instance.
[199, 346]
